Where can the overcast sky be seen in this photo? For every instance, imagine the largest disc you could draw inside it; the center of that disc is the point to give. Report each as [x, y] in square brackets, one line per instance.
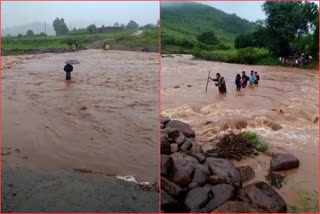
[250, 10]
[78, 13]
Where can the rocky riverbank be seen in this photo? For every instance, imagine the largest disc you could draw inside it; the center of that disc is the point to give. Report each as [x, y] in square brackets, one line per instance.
[195, 181]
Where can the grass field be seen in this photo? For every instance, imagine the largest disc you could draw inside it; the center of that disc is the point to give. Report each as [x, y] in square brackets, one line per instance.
[25, 45]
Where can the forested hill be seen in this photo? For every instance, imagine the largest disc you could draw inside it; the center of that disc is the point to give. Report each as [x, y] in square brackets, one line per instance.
[194, 18]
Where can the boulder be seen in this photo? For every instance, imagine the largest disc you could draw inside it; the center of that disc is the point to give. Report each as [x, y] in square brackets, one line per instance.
[184, 167]
[275, 126]
[165, 145]
[174, 147]
[183, 127]
[221, 193]
[237, 207]
[170, 187]
[196, 152]
[165, 120]
[284, 162]
[166, 165]
[173, 133]
[226, 170]
[167, 201]
[263, 196]
[186, 145]
[246, 172]
[200, 176]
[215, 179]
[180, 139]
[197, 198]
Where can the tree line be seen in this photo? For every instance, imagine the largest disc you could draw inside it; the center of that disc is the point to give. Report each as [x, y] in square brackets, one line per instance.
[290, 28]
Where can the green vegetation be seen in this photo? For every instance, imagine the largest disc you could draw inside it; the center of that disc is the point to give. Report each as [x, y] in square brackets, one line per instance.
[183, 23]
[310, 203]
[290, 28]
[257, 141]
[24, 45]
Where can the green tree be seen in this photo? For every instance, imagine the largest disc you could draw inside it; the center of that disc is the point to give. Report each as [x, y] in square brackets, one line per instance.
[19, 35]
[288, 21]
[92, 28]
[116, 25]
[60, 26]
[208, 38]
[132, 25]
[29, 33]
[42, 34]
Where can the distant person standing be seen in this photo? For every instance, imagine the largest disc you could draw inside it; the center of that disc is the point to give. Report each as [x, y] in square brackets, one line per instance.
[220, 83]
[252, 78]
[244, 79]
[68, 68]
[257, 78]
[238, 82]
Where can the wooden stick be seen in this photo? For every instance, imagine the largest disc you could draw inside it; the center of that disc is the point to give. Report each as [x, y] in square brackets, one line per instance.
[208, 81]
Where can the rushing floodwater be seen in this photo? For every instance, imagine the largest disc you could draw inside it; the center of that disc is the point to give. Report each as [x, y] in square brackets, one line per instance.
[285, 96]
[104, 121]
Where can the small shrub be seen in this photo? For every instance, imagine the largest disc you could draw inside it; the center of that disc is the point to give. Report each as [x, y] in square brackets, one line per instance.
[256, 140]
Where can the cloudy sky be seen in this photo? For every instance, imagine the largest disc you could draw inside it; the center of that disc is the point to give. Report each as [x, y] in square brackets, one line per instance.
[250, 10]
[78, 14]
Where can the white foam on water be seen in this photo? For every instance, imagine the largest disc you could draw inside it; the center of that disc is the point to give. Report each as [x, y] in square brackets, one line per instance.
[130, 178]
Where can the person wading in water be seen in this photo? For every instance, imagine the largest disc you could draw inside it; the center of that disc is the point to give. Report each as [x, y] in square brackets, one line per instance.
[68, 68]
[220, 83]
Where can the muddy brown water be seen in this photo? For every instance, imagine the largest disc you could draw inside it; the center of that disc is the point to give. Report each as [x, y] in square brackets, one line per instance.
[104, 121]
[286, 96]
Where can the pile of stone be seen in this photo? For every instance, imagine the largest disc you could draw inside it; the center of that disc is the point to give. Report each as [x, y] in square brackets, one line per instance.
[194, 182]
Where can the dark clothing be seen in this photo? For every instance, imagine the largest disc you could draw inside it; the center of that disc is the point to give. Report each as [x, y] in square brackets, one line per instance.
[257, 79]
[238, 83]
[245, 80]
[68, 75]
[221, 85]
[68, 69]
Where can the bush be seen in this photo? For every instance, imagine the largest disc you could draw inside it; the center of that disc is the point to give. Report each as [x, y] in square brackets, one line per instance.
[256, 140]
[208, 38]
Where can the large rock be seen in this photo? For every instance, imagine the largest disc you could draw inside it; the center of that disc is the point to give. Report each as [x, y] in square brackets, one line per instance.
[166, 165]
[215, 179]
[165, 145]
[196, 152]
[237, 207]
[167, 201]
[246, 172]
[226, 170]
[183, 127]
[263, 196]
[186, 145]
[200, 177]
[173, 133]
[180, 139]
[170, 187]
[165, 120]
[197, 198]
[221, 193]
[184, 167]
[284, 162]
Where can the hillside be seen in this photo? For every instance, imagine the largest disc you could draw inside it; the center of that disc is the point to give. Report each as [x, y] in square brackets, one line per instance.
[182, 22]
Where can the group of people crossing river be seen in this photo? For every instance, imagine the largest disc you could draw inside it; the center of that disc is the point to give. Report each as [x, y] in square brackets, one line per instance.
[241, 81]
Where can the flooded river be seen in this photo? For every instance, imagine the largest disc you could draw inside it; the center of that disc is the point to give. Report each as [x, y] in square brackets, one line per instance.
[284, 109]
[104, 121]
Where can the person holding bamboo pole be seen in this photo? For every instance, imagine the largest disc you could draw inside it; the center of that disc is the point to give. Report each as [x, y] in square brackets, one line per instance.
[220, 83]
